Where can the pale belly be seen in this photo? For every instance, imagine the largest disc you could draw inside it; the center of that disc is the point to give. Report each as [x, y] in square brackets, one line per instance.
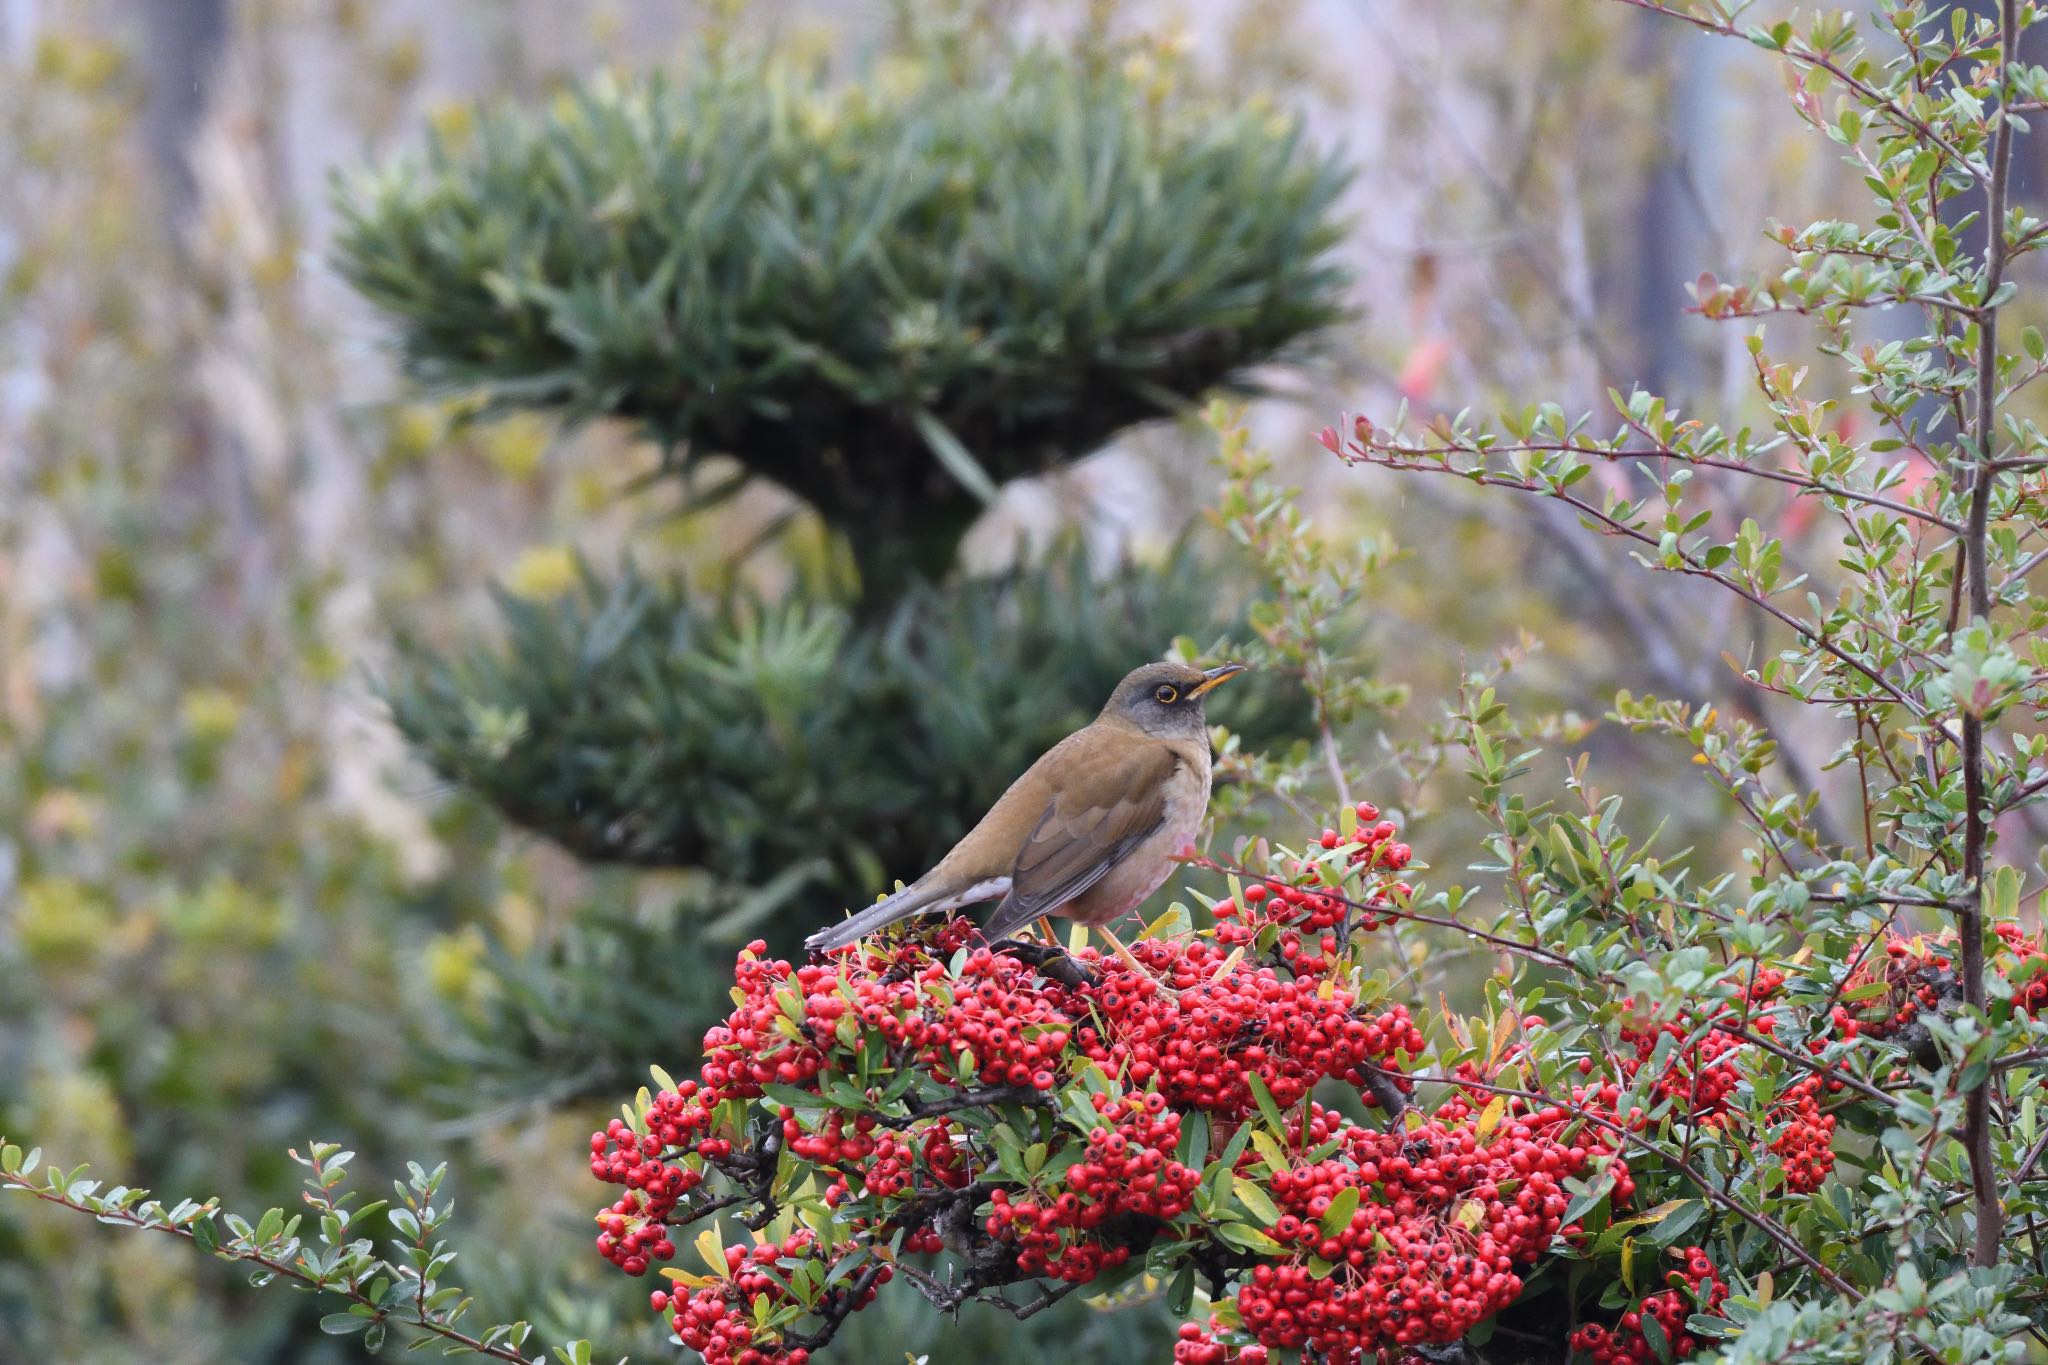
[1145, 869]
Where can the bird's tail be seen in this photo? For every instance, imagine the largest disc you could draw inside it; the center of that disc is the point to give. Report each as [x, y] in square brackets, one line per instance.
[911, 900]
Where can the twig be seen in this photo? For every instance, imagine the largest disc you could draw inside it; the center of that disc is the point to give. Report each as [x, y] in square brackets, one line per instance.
[1389, 910]
[1395, 457]
[1869, 93]
[1822, 1069]
[128, 1218]
[1881, 898]
[1822, 487]
[2019, 575]
[845, 1302]
[967, 1099]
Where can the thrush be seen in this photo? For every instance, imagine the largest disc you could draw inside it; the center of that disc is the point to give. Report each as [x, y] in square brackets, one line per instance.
[1090, 830]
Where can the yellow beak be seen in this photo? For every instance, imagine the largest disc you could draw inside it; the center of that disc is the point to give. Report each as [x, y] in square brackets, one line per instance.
[1219, 675]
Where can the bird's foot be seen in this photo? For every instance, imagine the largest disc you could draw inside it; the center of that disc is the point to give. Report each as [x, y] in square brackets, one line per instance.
[1049, 961]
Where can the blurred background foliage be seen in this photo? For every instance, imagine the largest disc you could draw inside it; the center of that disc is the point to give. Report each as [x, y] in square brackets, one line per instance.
[243, 561]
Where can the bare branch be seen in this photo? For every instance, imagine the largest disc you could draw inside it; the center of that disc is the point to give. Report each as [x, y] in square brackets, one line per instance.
[1395, 457]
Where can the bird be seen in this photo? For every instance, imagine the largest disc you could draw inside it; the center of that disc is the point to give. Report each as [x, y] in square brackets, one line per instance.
[1090, 830]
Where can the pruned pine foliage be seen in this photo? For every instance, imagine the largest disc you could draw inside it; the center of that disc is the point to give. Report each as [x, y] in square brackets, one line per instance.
[798, 755]
[886, 299]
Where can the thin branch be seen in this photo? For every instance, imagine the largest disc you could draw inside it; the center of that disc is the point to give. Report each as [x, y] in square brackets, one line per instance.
[1818, 1068]
[1025, 1311]
[1388, 457]
[1976, 546]
[1822, 487]
[2033, 1157]
[2025, 791]
[1882, 898]
[1387, 909]
[128, 1218]
[1819, 61]
[2022, 1058]
[2019, 575]
[967, 1099]
[845, 1303]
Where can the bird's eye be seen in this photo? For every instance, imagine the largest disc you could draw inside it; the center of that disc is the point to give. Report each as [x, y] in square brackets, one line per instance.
[1166, 694]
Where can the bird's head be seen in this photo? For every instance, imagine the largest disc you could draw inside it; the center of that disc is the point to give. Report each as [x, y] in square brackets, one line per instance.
[1165, 700]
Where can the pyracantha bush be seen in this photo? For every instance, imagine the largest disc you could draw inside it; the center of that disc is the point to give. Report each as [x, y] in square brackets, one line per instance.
[1047, 1118]
[1696, 1062]
[1663, 1315]
[1889, 991]
[1238, 1111]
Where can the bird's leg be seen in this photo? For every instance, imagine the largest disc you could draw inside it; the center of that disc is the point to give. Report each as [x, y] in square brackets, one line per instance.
[1050, 961]
[1129, 958]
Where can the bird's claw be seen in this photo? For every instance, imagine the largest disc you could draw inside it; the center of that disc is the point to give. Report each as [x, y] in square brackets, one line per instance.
[1049, 961]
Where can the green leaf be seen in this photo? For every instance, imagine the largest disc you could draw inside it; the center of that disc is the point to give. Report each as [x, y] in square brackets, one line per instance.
[794, 1096]
[965, 469]
[1654, 1334]
[1675, 1224]
[1583, 1202]
[1264, 1097]
[1246, 1238]
[1257, 1201]
[1338, 1216]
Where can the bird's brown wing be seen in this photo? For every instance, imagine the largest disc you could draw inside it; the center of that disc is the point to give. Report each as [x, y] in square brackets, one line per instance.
[1101, 811]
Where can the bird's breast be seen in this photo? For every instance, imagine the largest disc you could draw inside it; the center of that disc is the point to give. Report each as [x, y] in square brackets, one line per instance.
[1187, 803]
[1145, 868]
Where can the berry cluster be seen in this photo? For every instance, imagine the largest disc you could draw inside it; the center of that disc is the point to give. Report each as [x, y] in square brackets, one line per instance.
[1695, 1288]
[1703, 1071]
[1413, 1236]
[1310, 902]
[1806, 1146]
[1128, 1170]
[1889, 991]
[2025, 965]
[1197, 1345]
[924, 1090]
[1887, 995]
[1207, 1019]
[724, 1318]
[635, 1225]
